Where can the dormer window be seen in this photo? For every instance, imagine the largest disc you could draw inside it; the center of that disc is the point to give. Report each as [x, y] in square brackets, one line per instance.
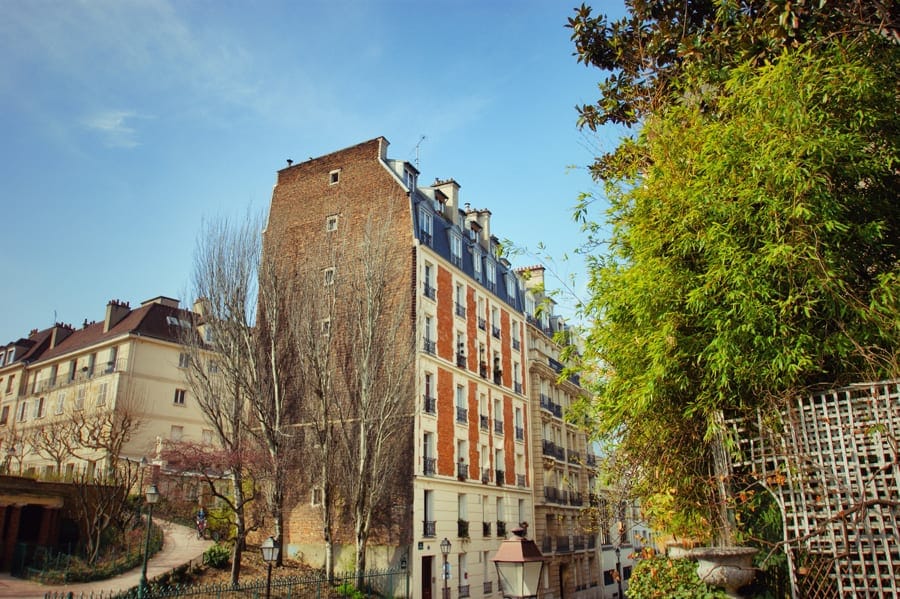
[409, 179]
[425, 226]
[334, 177]
[456, 248]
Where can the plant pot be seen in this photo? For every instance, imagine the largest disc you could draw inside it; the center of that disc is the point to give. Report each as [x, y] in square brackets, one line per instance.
[726, 567]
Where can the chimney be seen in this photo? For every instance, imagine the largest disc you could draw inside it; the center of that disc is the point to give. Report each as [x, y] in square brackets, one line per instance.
[201, 306]
[59, 334]
[449, 188]
[115, 311]
[484, 221]
[533, 276]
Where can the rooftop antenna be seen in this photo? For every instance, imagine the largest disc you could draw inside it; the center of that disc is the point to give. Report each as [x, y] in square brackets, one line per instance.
[421, 139]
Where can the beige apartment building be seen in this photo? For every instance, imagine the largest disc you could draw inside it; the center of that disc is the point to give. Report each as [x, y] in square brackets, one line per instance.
[130, 362]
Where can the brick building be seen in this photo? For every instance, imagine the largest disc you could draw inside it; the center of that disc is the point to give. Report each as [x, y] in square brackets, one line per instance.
[466, 470]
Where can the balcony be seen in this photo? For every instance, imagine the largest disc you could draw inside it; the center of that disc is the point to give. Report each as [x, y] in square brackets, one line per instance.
[548, 448]
[578, 542]
[498, 427]
[498, 377]
[428, 528]
[576, 498]
[485, 529]
[501, 528]
[556, 366]
[462, 415]
[499, 476]
[520, 433]
[460, 310]
[517, 345]
[485, 422]
[461, 360]
[482, 370]
[547, 545]
[591, 460]
[428, 466]
[551, 494]
[430, 404]
[488, 588]
[462, 471]
[486, 475]
[495, 331]
[574, 457]
[429, 346]
[429, 291]
[520, 480]
[562, 544]
[482, 323]
[464, 590]
[462, 529]
[517, 387]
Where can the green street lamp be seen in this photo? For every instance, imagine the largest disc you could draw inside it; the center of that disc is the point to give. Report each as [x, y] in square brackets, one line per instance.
[152, 496]
[520, 566]
[270, 551]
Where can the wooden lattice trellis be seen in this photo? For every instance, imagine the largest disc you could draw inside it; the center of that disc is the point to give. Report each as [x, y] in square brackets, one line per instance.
[831, 461]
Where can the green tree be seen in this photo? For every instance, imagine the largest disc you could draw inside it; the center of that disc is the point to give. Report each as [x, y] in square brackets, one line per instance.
[754, 255]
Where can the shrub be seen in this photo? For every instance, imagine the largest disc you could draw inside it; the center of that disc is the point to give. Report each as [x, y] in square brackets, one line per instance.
[217, 556]
[665, 578]
[348, 590]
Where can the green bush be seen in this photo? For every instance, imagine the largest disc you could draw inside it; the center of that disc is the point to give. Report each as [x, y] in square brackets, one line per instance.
[217, 556]
[348, 590]
[665, 578]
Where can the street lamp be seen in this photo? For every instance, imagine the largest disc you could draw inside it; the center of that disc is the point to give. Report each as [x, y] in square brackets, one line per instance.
[152, 497]
[520, 566]
[270, 552]
[445, 551]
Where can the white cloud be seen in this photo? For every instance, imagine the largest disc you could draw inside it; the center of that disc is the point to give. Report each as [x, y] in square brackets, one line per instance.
[113, 127]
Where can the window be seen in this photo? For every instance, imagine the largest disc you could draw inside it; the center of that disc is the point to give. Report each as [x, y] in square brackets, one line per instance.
[111, 362]
[429, 281]
[60, 403]
[325, 326]
[10, 356]
[92, 360]
[491, 274]
[476, 263]
[425, 226]
[4, 415]
[101, 394]
[23, 411]
[316, 496]
[53, 372]
[79, 399]
[460, 301]
[9, 383]
[179, 397]
[213, 367]
[207, 436]
[183, 360]
[2, 357]
[331, 223]
[428, 333]
[510, 286]
[334, 176]
[409, 178]
[72, 369]
[176, 432]
[328, 276]
[461, 411]
[456, 248]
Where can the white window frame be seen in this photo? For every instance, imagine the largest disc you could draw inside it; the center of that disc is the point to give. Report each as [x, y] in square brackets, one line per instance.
[331, 223]
[101, 394]
[328, 276]
[179, 397]
[425, 224]
[334, 177]
[183, 360]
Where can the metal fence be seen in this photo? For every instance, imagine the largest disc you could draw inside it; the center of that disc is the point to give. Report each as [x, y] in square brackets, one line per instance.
[377, 583]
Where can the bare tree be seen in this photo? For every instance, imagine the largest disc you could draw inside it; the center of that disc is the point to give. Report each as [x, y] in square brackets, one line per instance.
[312, 334]
[376, 366]
[54, 440]
[101, 488]
[221, 371]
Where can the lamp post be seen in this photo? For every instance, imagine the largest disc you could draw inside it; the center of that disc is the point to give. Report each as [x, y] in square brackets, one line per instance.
[270, 552]
[152, 497]
[445, 551]
[620, 528]
[520, 566]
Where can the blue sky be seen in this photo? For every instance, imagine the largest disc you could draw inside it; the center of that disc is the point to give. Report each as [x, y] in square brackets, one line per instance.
[124, 123]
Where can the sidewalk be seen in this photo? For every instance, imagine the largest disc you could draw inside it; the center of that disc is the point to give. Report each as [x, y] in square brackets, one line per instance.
[180, 545]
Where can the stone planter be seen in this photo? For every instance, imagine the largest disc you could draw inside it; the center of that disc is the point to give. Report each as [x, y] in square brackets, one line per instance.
[726, 567]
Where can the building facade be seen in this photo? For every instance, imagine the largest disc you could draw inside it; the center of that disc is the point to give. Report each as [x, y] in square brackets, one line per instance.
[467, 475]
[130, 363]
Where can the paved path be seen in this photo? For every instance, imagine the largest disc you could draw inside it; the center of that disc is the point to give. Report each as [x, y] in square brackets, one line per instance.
[180, 546]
